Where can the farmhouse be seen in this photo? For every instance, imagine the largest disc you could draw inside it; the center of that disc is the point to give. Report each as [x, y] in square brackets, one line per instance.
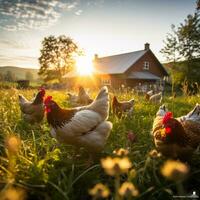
[128, 69]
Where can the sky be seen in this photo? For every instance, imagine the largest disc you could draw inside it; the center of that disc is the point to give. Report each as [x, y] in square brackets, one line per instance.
[103, 27]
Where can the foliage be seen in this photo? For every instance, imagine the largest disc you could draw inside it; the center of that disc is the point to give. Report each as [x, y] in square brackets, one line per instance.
[170, 50]
[29, 76]
[9, 76]
[46, 170]
[171, 53]
[57, 57]
[189, 37]
[183, 44]
[7, 85]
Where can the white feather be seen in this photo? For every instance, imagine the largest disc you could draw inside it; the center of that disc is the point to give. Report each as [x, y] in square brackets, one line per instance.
[23, 100]
[156, 98]
[82, 122]
[193, 115]
[100, 104]
[162, 111]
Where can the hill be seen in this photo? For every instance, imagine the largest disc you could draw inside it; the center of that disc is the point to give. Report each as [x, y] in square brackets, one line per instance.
[19, 72]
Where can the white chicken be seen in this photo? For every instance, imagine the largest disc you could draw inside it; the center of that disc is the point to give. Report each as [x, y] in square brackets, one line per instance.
[32, 111]
[73, 99]
[83, 97]
[156, 98]
[148, 94]
[82, 126]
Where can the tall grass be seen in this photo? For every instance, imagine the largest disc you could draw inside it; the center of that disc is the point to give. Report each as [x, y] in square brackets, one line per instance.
[47, 170]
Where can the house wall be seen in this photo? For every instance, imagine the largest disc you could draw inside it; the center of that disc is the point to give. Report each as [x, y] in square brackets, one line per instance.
[154, 68]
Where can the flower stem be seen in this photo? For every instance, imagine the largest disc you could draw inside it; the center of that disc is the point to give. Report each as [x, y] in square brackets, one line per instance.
[180, 188]
[117, 185]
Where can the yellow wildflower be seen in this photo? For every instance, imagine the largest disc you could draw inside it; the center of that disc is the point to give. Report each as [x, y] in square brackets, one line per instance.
[132, 173]
[12, 143]
[13, 193]
[128, 189]
[121, 152]
[99, 191]
[116, 166]
[174, 170]
[154, 153]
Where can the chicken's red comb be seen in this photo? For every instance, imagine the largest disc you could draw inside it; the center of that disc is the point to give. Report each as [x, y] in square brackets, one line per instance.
[168, 115]
[47, 100]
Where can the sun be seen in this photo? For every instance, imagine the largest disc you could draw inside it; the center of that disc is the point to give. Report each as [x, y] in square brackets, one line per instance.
[84, 65]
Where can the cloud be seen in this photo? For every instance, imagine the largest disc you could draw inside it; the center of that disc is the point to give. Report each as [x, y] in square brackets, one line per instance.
[78, 12]
[72, 6]
[31, 14]
[39, 14]
[4, 43]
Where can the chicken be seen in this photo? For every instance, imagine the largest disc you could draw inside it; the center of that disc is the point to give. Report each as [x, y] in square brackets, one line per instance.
[122, 107]
[32, 111]
[73, 99]
[83, 97]
[85, 126]
[177, 138]
[148, 95]
[156, 98]
[193, 115]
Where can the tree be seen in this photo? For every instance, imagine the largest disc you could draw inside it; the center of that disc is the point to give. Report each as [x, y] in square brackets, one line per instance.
[1, 77]
[189, 37]
[57, 57]
[9, 76]
[29, 76]
[183, 44]
[170, 51]
[189, 41]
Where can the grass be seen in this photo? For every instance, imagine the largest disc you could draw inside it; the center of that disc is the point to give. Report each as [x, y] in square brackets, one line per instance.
[46, 170]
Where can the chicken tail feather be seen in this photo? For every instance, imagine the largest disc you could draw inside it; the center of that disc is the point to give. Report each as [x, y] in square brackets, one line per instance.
[22, 99]
[101, 103]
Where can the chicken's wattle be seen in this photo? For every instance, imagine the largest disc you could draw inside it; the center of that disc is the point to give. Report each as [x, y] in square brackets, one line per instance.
[47, 110]
[168, 130]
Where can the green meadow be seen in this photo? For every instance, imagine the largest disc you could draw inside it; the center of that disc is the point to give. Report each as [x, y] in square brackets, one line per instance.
[45, 169]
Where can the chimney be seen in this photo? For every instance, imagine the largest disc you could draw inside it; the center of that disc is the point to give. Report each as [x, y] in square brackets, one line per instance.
[146, 46]
[95, 56]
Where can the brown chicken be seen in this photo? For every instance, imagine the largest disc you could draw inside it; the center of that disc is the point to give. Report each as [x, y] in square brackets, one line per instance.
[32, 111]
[83, 97]
[123, 107]
[177, 138]
[85, 126]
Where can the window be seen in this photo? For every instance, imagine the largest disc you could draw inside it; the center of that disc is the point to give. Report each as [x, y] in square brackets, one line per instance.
[146, 65]
[105, 81]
